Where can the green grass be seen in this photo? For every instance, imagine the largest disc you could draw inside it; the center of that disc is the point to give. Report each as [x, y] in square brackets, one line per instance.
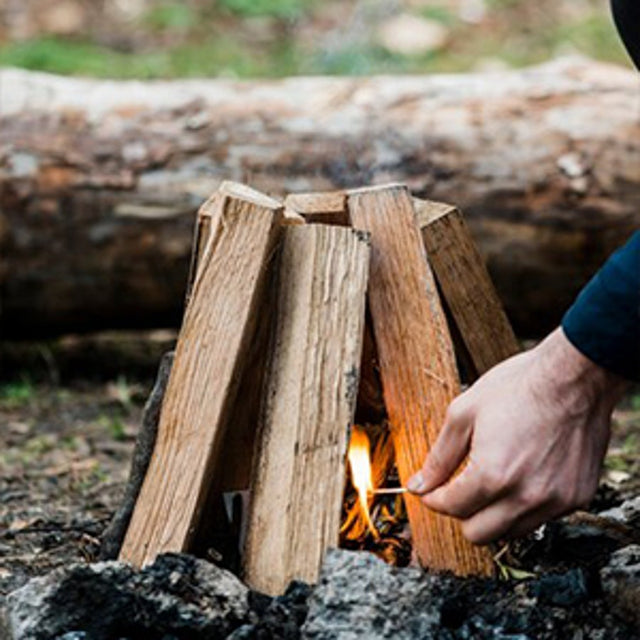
[595, 36]
[67, 57]
[439, 14]
[17, 394]
[114, 425]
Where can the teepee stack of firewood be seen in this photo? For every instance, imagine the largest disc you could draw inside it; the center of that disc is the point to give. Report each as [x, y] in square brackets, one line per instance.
[266, 375]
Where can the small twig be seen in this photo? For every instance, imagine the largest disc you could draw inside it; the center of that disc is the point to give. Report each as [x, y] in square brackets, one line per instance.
[388, 492]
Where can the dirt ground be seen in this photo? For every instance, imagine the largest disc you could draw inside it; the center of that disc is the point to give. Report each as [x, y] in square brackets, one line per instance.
[64, 455]
[65, 451]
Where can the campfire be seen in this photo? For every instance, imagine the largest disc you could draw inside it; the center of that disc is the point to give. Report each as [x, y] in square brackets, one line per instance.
[374, 516]
[312, 373]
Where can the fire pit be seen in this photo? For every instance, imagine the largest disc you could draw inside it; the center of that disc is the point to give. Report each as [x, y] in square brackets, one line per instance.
[303, 322]
[302, 393]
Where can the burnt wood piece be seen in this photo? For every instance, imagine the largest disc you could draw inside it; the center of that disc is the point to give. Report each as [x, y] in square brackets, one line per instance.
[218, 328]
[100, 180]
[309, 403]
[111, 539]
[417, 364]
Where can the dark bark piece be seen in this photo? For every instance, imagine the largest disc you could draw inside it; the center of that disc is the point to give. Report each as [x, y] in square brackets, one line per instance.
[99, 181]
[111, 539]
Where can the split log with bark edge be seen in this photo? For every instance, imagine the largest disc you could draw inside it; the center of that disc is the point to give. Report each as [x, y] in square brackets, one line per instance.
[218, 327]
[100, 180]
[467, 290]
[310, 393]
[417, 364]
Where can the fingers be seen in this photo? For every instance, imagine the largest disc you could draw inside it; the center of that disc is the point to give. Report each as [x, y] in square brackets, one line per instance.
[465, 495]
[532, 520]
[491, 523]
[510, 518]
[446, 455]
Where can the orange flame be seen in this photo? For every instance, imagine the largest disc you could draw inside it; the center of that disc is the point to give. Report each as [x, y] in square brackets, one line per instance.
[360, 463]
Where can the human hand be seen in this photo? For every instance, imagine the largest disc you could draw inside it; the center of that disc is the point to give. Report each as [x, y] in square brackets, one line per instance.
[536, 428]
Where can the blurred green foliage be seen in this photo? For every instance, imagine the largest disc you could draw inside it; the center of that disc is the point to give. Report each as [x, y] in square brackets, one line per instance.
[198, 59]
[276, 8]
[273, 38]
[16, 394]
[171, 15]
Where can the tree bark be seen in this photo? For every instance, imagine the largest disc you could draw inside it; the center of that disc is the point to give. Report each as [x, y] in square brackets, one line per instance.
[100, 181]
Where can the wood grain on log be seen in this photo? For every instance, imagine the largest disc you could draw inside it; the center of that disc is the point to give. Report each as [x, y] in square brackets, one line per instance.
[466, 287]
[217, 331]
[477, 318]
[417, 365]
[311, 386]
[235, 473]
[324, 208]
[100, 180]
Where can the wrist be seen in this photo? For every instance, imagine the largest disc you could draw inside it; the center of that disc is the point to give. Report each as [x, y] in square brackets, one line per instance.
[570, 372]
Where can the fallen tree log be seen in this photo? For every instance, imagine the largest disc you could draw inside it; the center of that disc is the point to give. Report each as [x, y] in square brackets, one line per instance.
[100, 181]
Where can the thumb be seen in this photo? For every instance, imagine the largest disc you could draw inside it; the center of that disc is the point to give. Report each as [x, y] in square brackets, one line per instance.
[446, 455]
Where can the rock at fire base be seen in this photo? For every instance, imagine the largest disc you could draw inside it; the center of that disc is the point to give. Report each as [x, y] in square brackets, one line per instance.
[360, 597]
[176, 596]
[628, 513]
[621, 583]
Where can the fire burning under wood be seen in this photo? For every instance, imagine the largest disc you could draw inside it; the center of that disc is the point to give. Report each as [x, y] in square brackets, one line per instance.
[351, 330]
[374, 514]
[360, 465]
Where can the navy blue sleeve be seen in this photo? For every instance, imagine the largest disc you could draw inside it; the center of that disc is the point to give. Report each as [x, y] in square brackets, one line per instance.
[626, 14]
[604, 321]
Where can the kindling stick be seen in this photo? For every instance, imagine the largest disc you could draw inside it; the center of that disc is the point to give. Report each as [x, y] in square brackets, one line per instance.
[388, 492]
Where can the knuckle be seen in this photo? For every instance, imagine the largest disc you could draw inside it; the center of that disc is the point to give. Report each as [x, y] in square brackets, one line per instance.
[532, 497]
[560, 500]
[469, 532]
[584, 494]
[434, 462]
[584, 498]
[454, 413]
